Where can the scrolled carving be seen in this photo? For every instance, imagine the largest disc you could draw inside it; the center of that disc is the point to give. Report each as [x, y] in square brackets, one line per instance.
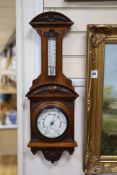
[96, 39]
[101, 29]
[95, 167]
[51, 33]
[93, 164]
[98, 35]
[52, 154]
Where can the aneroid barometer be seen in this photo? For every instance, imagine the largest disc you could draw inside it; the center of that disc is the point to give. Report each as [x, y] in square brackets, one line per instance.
[52, 94]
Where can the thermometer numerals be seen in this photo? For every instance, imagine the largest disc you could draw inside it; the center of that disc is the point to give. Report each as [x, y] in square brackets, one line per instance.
[51, 56]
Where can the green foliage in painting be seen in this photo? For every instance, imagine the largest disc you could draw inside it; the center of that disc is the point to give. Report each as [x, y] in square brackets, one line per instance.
[109, 123]
[108, 92]
[107, 96]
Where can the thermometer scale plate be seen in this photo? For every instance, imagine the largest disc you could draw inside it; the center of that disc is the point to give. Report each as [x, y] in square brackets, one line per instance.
[52, 56]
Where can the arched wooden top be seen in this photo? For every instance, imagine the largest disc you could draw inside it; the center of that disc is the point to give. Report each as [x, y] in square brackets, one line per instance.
[51, 18]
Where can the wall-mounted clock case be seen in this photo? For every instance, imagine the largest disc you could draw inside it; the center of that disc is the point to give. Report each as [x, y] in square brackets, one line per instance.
[52, 94]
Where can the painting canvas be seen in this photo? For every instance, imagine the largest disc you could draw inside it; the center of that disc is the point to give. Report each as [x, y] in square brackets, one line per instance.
[109, 111]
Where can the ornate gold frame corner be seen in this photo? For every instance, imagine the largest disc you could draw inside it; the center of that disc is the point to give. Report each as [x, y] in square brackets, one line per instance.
[94, 163]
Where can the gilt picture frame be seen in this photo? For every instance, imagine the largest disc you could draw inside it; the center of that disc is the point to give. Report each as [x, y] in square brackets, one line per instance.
[100, 141]
[87, 0]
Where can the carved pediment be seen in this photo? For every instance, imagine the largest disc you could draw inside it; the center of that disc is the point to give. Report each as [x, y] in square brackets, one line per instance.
[56, 91]
[51, 17]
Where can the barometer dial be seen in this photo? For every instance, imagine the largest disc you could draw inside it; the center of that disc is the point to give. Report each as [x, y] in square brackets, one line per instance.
[51, 123]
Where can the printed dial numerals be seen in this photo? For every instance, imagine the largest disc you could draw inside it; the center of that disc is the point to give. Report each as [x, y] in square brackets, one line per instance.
[51, 123]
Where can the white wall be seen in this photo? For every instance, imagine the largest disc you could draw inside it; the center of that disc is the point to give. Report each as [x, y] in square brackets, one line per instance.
[74, 58]
[28, 67]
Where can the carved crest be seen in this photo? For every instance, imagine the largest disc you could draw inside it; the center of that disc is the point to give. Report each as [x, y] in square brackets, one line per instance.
[51, 17]
[51, 33]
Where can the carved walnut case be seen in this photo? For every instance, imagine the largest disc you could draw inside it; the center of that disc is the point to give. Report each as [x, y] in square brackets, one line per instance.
[52, 91]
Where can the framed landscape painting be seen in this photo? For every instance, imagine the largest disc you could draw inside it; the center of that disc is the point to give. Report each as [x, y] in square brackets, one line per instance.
[100, 143]
[109, 110]
[89, 0]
